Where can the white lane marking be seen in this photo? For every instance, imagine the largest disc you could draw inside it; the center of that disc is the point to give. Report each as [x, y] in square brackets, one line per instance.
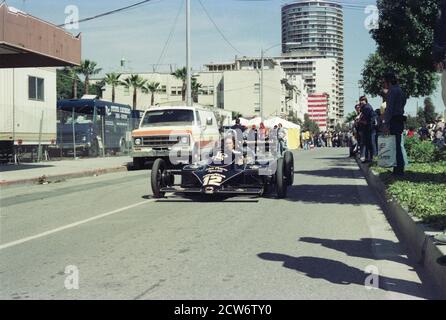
[72, 225]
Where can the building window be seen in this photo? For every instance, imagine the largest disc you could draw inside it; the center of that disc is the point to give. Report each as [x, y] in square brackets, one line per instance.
[176, 91]
[36, 88]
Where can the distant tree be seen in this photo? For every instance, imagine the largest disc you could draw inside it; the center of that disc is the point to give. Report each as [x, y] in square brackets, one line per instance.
[151, 88]
[415, 83]
[69, 86]
[97, 87]
[351, 117]
[220, 119]
[404, 38]
[292, 117]
[406, 32]
[236, 115]
[181, 74]
[134, 82]
[112, 79]
[413, 123]
[310, 125]
[196, 86]
[429, 111]
[421, 119]
[88, 68]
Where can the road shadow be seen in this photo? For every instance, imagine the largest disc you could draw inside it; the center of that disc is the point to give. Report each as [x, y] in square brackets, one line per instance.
[329, 194]
[21, 167]
[340, 273]
[363, 248]
[335, 172]
[346, 158]
[203, 199]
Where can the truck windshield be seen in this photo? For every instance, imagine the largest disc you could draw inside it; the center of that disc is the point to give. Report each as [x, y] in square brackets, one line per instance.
[168, 118]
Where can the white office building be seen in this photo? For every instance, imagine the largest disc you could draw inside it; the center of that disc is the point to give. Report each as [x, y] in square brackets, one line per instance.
[233, 87]
[316, 29]
[321, 75]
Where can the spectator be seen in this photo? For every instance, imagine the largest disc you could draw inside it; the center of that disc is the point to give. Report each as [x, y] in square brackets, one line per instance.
[423, 133]
[307, 140]
[329, 139]
[263, 132]
[394, 118]
[239, 130]
[366, 119]
[378, 128]
[238, 125]
[281, 133]
[411, 132]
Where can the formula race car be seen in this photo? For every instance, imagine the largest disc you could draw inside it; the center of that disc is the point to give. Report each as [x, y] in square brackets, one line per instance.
[228, 173]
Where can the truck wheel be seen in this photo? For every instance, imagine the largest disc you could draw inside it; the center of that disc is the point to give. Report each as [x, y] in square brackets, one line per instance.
[157, 178]
[289, 167]
[93, 151]
[281, 183]
[138, 163]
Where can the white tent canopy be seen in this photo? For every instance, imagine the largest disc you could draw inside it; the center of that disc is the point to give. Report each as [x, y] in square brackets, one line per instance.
[270, 123]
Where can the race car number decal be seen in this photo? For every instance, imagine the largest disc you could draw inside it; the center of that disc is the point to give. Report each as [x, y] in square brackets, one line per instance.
[213, 179]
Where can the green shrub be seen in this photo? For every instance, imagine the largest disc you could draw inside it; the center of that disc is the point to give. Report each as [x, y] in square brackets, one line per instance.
[410, 142]
[422, 152]
[422, 191]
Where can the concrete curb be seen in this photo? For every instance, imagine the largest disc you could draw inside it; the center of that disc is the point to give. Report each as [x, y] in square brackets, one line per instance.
[62, 177]
[417, 238]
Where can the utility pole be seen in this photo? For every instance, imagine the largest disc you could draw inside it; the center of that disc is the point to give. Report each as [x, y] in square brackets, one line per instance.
[188, 56]
[262, 63]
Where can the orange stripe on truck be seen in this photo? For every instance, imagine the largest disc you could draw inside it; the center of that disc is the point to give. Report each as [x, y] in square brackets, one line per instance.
[148, 133]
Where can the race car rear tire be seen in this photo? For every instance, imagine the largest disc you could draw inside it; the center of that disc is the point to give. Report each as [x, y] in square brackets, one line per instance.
[157, 182]
[281, 182]
[289, 167]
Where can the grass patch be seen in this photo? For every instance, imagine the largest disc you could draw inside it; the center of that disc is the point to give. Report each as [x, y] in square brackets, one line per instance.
[422, 191]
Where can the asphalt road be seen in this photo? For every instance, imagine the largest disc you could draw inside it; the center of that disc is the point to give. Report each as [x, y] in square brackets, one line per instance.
[317, 244]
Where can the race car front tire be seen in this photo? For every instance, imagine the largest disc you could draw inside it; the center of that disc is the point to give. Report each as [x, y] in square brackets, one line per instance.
[159, 166]
[289, 167]
[281, 183]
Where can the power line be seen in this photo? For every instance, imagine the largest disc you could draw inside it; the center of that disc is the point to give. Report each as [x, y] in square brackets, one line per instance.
[106, 13]
[169, 38]
[217, 28]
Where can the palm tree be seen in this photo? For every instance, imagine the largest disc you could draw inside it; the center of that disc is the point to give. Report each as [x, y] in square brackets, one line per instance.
[151, 88]
[72, 73]
[195, 89]
[181, 74]
[134, 82]
[88, 68]
[112, 79]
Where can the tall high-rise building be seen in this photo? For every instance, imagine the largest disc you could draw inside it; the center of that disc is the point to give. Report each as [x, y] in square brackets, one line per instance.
[315, 30]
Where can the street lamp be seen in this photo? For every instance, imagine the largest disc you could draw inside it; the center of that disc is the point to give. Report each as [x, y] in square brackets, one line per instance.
[189, 101]
[263, 67]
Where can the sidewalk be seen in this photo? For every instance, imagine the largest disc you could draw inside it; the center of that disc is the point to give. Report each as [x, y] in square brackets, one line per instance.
[60, 170]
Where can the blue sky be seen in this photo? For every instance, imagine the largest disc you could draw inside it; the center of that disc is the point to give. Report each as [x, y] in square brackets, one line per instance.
[140, 34]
